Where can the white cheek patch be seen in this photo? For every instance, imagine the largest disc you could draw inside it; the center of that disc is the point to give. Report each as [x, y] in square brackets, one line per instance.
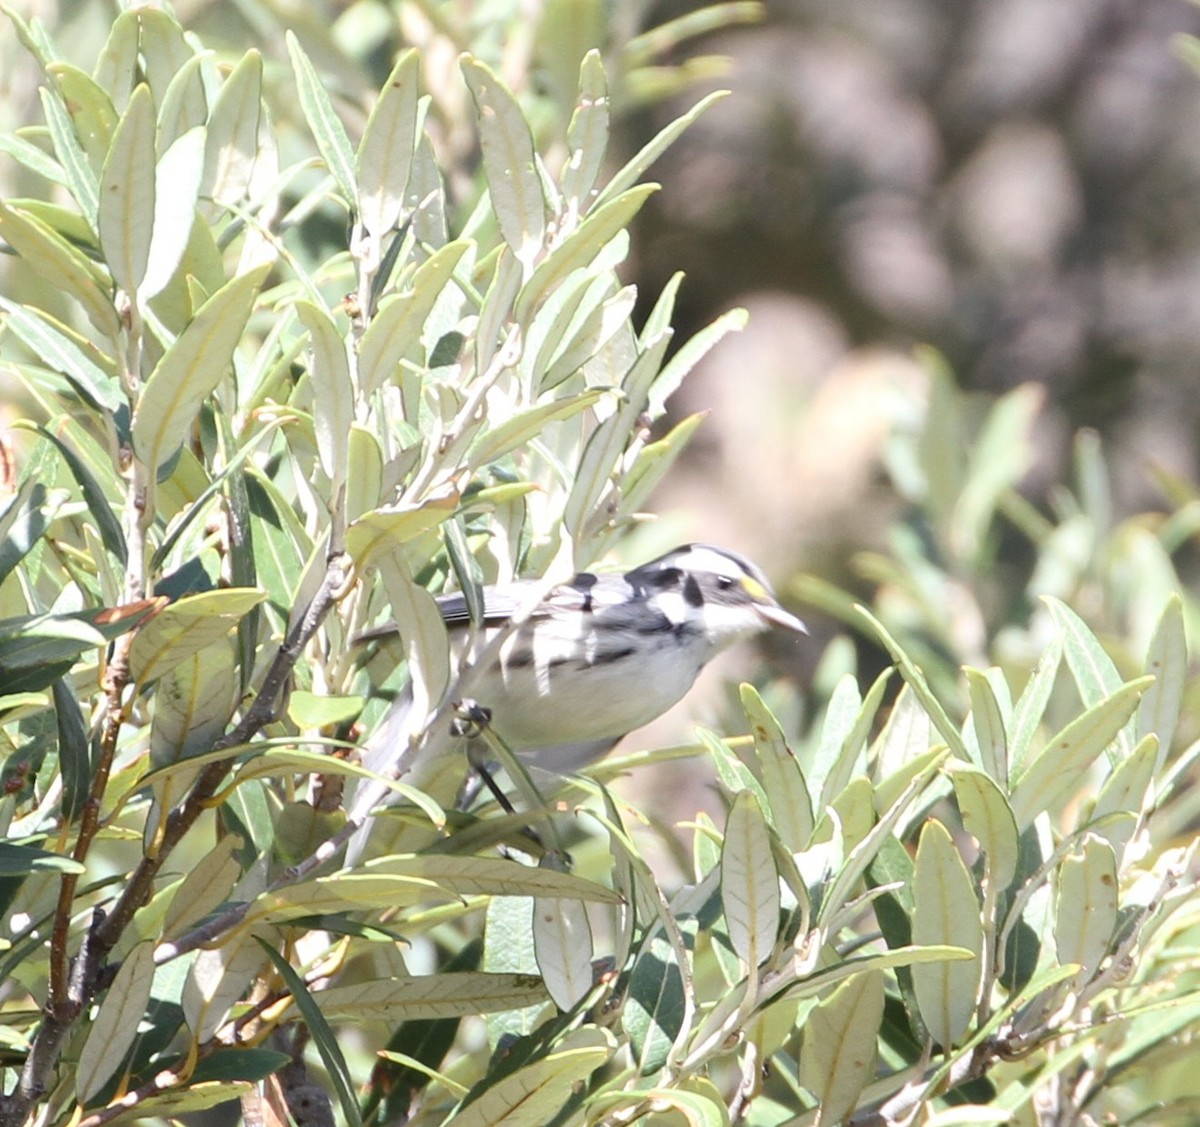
[701, 557]
[677, 609]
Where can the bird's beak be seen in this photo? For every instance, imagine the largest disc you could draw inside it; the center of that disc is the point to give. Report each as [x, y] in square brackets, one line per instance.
[777, 616]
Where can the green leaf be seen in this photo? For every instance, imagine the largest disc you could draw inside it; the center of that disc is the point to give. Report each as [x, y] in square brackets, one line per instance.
[1086, 908]
[840, 1033]
[232, 143]
[562, 944]
[117, 1022]
[656, 1010]
[789, 806]
[321, 1033]
[1166, 660]
[24, 521]
[1096, 676]
[67, 269]
[602, 225]
[986, 726]
[988, 818]
[92, 113]
[74, 756]
[1031, 705]
[191, 368]
[184, 106]
[633, 171]
[518, 430]
[194, 700]
[397, 325]
[81, 179]
[385, 153]
[176, 186]
[946, 913]
[327, 128]
[429, 997]
[39, 642]
[1060, 768]
[916, 681]
[587, 134]
[107, 523]
[186, 627]
[21, 860]
[536, 1093]
[509, 163]
[749, 881]
[333, 394]
[126, 216]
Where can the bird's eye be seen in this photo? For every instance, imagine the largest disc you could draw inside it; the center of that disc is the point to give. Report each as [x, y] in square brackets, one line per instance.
[724, 582]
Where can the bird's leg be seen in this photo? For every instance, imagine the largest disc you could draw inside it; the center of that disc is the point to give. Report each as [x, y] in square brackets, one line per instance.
[471, 720]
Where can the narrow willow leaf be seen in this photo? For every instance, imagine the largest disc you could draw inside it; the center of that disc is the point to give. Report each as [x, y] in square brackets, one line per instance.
[1031, 705]
[516, 431]
[1096, 676]
[588, 340]
[177, 183]
[837, 1059]
[580, 247]
[333, 395]
[74, 755]
[92, 113]
[427, 196]
[164, 48]
[34, 159]
[1166, 661]
[185, 106]
[654, 462]
[127, 193]
[562, 943]
[322, 1035]
[988, 819]
[193, 703]
[81, 178]
[916, 679]
[191, 368]
[509, 163]
[21, 860]
[633, 171]
[834, 761]
[490, 876]
[117, 1022]
[327, 128]
[67, 269]
[117, 63]
[603, 449]
[433, 996]
[986, 726]
[23, 522]
[426, 644]
[587, 134]
[537, 1092]
[205, 888]
[40, 641]
[508, 949]
[690, 354]
[1060, 768]
[186, 627]
[1127, 789]
[231, 147]
[379, 532]
[398, 324]
[1086, 909]
[788, 804]
[946, 913]
[385, 153]
[656, 1009]
[749, 881]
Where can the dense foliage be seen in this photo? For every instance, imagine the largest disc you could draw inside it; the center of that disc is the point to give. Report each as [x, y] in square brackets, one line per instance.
[276, 386]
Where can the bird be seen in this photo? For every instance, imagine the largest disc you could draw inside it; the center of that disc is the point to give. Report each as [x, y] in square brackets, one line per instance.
[598, 656]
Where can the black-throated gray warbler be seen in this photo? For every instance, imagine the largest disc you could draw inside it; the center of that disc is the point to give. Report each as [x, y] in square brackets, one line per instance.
[598, 656]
